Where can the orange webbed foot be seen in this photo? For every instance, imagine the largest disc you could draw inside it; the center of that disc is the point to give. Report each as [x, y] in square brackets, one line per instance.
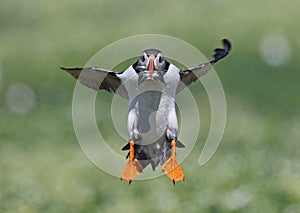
[133, 166]
[171, 167]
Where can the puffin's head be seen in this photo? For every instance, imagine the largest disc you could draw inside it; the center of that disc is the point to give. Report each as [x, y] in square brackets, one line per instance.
[151, 63]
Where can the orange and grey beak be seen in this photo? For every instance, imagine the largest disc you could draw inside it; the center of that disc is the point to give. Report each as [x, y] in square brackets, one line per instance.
[151, 63]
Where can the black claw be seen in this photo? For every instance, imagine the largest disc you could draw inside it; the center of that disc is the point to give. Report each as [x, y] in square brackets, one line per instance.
[179, 144]
[174, 182]
[126, 147]
[129, 182]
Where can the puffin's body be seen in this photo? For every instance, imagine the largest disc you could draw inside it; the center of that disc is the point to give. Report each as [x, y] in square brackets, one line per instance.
[152, 120]
[150, 85]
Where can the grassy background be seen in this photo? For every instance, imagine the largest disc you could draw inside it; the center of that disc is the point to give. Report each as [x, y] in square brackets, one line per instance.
[42, 168]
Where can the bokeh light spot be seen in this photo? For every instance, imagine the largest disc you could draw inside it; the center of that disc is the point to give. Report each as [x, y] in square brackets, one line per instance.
[275, 50]
[238, 198]
[20, 98]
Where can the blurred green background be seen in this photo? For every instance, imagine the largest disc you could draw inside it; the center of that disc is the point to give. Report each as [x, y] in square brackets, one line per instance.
[257, 166]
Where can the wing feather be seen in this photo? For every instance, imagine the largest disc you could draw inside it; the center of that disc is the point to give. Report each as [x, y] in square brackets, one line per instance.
[98, 78]
[188, 76]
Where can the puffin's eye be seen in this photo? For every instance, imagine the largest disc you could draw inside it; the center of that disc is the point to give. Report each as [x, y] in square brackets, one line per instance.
[142, 58]
[160, 59]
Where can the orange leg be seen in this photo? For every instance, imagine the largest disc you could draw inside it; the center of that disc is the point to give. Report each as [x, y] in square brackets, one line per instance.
[171, 167]
[133, 166]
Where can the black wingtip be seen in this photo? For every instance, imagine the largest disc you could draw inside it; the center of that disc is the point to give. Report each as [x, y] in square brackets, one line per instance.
[226, 44]
[73, 68]
[222, 52]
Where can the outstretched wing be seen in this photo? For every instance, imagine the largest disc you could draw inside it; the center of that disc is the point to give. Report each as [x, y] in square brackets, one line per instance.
[190, 75]
[98, 78]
